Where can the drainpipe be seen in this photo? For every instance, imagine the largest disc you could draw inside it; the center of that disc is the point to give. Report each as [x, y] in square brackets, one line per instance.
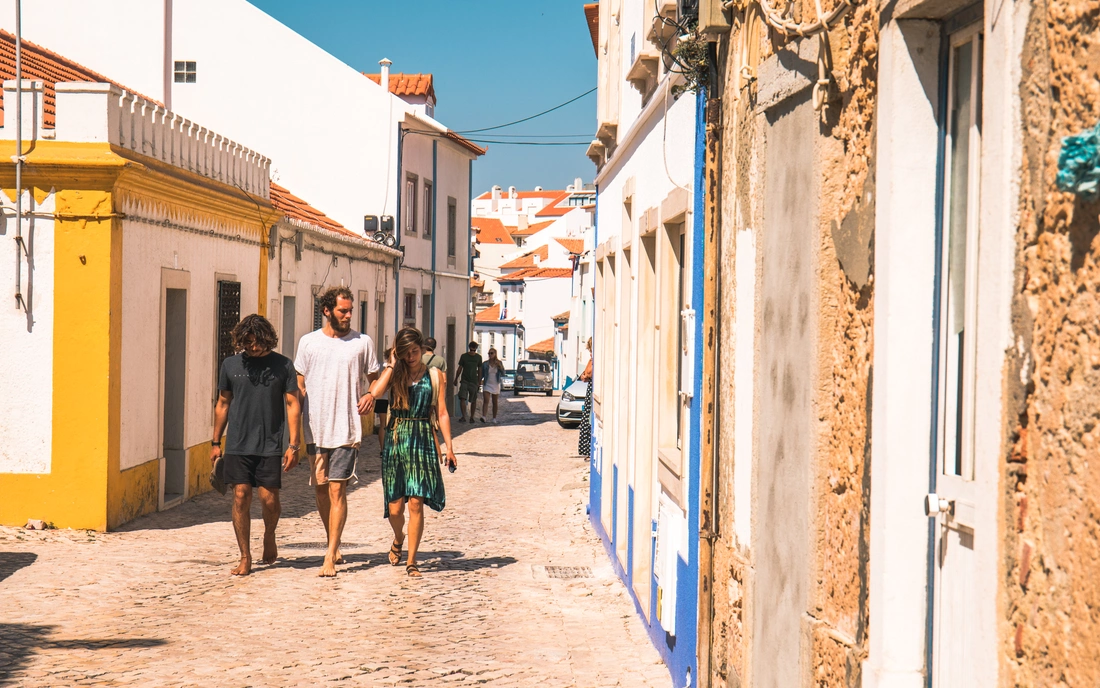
[435, 226]
[399, 301]
[19, 249]
[708, 427]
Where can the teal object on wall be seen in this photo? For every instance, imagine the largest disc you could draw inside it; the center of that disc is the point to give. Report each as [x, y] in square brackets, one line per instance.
[1079, 164]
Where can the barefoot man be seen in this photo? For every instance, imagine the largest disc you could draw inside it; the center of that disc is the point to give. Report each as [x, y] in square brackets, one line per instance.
[258, 397]
[335, 367]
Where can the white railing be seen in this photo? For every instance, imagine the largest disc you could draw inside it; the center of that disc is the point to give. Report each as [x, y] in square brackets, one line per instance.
[92, 112]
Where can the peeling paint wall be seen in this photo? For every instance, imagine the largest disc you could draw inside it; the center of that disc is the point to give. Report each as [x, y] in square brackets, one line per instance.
[1051, 520]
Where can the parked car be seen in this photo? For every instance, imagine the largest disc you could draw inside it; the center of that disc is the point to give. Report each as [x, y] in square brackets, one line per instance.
[533, 376]
[571, 406]
[508, 380]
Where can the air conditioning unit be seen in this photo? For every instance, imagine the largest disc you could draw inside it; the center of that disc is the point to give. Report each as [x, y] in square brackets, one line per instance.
[384, 231]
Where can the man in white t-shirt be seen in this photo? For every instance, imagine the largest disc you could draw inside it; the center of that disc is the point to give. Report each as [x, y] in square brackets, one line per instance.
[335, 367]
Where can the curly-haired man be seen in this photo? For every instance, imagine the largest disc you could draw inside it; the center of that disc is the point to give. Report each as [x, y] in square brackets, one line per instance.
[258, 399]
[335, 366]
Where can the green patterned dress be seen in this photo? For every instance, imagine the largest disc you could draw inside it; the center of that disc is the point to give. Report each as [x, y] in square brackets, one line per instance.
[410, 460]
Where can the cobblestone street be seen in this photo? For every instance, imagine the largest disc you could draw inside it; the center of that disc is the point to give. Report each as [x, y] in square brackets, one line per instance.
[155, 605]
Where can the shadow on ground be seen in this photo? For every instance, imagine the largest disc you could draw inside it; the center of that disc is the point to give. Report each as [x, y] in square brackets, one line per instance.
[10, 562]
[296, 497]
[19, 643]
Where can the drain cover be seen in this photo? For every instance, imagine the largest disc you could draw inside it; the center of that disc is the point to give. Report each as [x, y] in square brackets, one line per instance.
[568, 572]
[318, 545]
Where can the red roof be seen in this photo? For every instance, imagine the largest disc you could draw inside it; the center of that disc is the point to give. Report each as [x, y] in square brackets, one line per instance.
[466, 143]
[477, 283]
[574, 246]
[546, 346]
[297, 209]
[532, 229]
[592, 16]
[521, 194]
[527, 260]
[491, 316]
[535, 273]
[552, 208]
[561, 316]
[48, 67]
[407, 84]
[490, 230]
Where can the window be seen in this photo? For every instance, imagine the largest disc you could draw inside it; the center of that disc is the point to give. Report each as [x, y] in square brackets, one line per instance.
[492, 339]
[958, 262]
[380, 335]
[452, 227]
[426, 314]
[363, 313]
[410, 204]
[185, 72]
[428, 219]
[287, 339]
[318, 313]
[229, 314]
[410, 308]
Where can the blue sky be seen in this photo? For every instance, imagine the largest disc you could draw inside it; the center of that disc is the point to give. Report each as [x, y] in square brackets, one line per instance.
[493, 61]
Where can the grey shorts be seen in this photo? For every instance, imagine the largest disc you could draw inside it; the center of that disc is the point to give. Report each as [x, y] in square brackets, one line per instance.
[467, 391]
[331, 465]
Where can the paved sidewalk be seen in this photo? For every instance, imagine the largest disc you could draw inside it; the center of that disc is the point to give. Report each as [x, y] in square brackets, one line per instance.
[154, 605]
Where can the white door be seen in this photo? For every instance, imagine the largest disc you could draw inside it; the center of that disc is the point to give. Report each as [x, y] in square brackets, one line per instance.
[952, 503]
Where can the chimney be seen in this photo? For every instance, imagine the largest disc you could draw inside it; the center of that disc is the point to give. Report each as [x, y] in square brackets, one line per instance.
[538, 188]
[512, 192]
[496, 198]
[578, 185]
[385, 80]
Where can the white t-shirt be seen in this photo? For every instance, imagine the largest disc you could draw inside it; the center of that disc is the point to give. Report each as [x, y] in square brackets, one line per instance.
[335, 369]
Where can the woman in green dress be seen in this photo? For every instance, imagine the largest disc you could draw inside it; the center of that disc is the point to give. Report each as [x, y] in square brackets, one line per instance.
[411, 455]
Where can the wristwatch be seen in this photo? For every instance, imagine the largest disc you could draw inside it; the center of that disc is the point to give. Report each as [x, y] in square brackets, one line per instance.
[215, 443]
[295, 447]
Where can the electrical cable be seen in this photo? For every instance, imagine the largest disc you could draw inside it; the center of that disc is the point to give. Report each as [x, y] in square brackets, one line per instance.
[525, 119]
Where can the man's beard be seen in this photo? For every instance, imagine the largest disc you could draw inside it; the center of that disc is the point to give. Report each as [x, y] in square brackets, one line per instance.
[334, 323]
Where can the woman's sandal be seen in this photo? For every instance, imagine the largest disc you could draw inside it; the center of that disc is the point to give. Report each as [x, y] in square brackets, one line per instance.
[395, 553]
[412, 571]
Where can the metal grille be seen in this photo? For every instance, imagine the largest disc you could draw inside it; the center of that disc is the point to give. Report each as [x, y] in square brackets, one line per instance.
[318, 313]
[568, 572]
[229, 314]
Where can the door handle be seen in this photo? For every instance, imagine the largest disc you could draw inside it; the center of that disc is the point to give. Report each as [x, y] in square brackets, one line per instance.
[935, 505]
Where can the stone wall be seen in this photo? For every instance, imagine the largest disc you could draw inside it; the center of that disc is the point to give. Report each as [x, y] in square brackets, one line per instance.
[835, 148]
[1052, 376]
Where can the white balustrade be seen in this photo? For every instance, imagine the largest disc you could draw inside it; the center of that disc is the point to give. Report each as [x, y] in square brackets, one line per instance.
[93, 112]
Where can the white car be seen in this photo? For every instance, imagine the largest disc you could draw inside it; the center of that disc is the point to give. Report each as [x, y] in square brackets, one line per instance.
[571, 405]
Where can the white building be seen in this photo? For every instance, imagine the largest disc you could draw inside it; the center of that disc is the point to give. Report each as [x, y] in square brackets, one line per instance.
[332, 133]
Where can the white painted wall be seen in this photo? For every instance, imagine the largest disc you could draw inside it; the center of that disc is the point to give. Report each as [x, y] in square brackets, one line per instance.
[543, 299]
[146, 250]
[26, 361]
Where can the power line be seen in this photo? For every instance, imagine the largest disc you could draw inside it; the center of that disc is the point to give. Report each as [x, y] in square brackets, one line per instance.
[541, 136]
[533, 143]
[525, 119]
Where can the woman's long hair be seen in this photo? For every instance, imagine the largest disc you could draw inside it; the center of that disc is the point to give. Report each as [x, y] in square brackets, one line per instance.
[406, 339]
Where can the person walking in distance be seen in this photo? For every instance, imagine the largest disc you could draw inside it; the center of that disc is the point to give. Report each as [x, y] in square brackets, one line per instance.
[431, 358]
[584, 441]
[257, 400]
[491, 373]
[468, 379]
[333, 363]
[411, 456]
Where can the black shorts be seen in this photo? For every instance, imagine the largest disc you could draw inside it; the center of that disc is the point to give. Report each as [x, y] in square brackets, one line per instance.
[257, 471]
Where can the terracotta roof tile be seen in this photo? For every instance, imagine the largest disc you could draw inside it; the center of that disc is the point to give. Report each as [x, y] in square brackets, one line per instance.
[477, 283]
[297, 209]
[574, 246]
[561, 316]
[491, 316]
[592, 16]
[532, 229]
[552, 208]
[527, 260]
[466, 143]
[490, 230]
[407, 84]
[546, 346]
[535, 273]
[44, 65]
[521, 194]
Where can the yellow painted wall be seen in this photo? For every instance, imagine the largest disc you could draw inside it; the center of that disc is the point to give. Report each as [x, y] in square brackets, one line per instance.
[86, 488]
